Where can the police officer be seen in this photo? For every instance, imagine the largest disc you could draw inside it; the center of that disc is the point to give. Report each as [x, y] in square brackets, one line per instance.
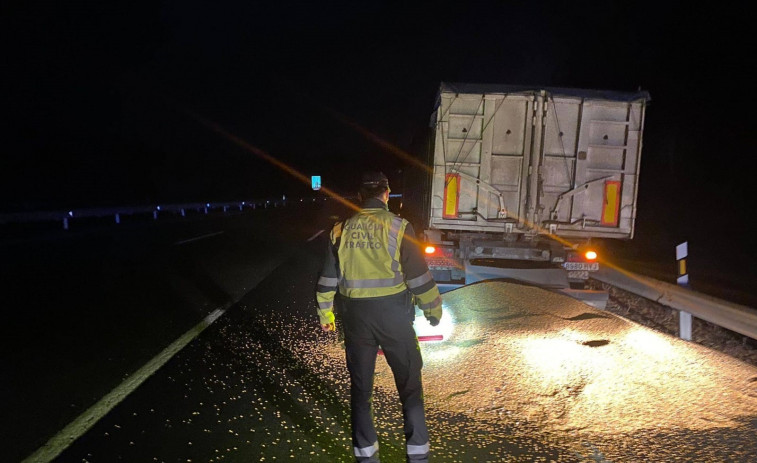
[373, 260]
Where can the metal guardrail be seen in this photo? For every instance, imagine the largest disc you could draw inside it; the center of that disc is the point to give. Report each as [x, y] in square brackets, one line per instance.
[735, 317]
[65, 216]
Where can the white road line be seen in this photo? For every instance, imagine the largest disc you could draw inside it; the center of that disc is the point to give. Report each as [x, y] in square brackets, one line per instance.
[58, 443]
[315, 236]
[197, 238]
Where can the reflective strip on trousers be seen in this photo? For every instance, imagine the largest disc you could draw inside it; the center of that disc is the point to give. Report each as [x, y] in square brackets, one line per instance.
[368, 451]
[418, 449]
[330, 282]
[432, 304]
[419, 281]
[326, 305]
[375, 283]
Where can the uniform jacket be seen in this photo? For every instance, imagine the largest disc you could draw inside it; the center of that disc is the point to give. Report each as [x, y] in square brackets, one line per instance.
[374, 255]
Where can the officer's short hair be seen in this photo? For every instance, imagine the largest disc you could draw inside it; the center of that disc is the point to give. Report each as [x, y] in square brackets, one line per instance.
[373, 184]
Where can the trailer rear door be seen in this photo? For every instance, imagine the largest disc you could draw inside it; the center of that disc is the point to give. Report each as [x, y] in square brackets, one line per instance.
[520, 161]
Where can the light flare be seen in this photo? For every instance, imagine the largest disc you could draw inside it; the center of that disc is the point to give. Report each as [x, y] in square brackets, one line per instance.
[278, 163]
[446, 326]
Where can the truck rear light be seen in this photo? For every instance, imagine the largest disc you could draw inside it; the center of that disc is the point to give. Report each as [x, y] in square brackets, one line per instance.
[590, 255]
[430, 249]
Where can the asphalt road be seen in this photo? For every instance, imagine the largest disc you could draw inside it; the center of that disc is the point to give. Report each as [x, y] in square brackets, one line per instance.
[259, 385]
[85, 309]
[522, 375]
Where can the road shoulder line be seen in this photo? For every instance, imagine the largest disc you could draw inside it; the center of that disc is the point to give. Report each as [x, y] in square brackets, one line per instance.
[197, 238]
[58, 443]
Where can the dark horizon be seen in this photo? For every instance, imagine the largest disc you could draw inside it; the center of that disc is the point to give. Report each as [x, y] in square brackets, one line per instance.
[101, 97]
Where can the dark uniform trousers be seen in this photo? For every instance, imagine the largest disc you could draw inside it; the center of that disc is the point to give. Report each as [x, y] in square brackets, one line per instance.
[385, 322]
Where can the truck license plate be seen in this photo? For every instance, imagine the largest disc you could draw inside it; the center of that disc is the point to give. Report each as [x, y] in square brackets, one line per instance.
[587, 266]
[578, 275]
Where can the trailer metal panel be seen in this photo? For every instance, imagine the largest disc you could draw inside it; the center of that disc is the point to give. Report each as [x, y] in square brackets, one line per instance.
[535, 160]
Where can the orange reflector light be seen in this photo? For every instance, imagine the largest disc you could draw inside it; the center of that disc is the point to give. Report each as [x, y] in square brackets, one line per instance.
[451, 196]
[430, 249]
[590, 255]
[611, 203]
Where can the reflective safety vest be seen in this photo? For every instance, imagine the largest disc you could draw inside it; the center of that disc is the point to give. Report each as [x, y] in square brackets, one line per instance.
[369, 254]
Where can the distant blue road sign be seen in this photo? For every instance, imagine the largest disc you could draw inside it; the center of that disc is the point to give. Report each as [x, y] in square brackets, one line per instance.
[315, 180]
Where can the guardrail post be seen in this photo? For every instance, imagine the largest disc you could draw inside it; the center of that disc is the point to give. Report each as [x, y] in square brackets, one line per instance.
[684, 318]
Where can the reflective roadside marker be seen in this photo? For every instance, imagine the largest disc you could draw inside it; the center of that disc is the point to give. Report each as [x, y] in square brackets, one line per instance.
[684, 318]
[682, 252]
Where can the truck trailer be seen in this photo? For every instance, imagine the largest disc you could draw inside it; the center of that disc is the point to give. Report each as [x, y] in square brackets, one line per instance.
[520, 183]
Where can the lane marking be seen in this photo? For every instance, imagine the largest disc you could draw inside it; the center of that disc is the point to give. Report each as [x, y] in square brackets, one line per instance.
[196, 238]
[315, 236]
[58, 443]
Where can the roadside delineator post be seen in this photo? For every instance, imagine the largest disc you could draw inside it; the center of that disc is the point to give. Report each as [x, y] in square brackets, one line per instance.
[684, 318]
[118, 217]
[65, 223]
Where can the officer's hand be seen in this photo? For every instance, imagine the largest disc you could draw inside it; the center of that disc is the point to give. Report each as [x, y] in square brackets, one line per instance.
[433, 321]
[329, 327]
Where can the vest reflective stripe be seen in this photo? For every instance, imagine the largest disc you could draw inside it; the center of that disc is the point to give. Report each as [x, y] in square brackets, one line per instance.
[330, 282]
[392, 247]
[419, 281]
[366, 451]
[418, 449]
[375, 283]
[432, 304]
[326, 305]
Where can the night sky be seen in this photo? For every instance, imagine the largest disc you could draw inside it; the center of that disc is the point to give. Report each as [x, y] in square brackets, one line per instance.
[102, 99]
